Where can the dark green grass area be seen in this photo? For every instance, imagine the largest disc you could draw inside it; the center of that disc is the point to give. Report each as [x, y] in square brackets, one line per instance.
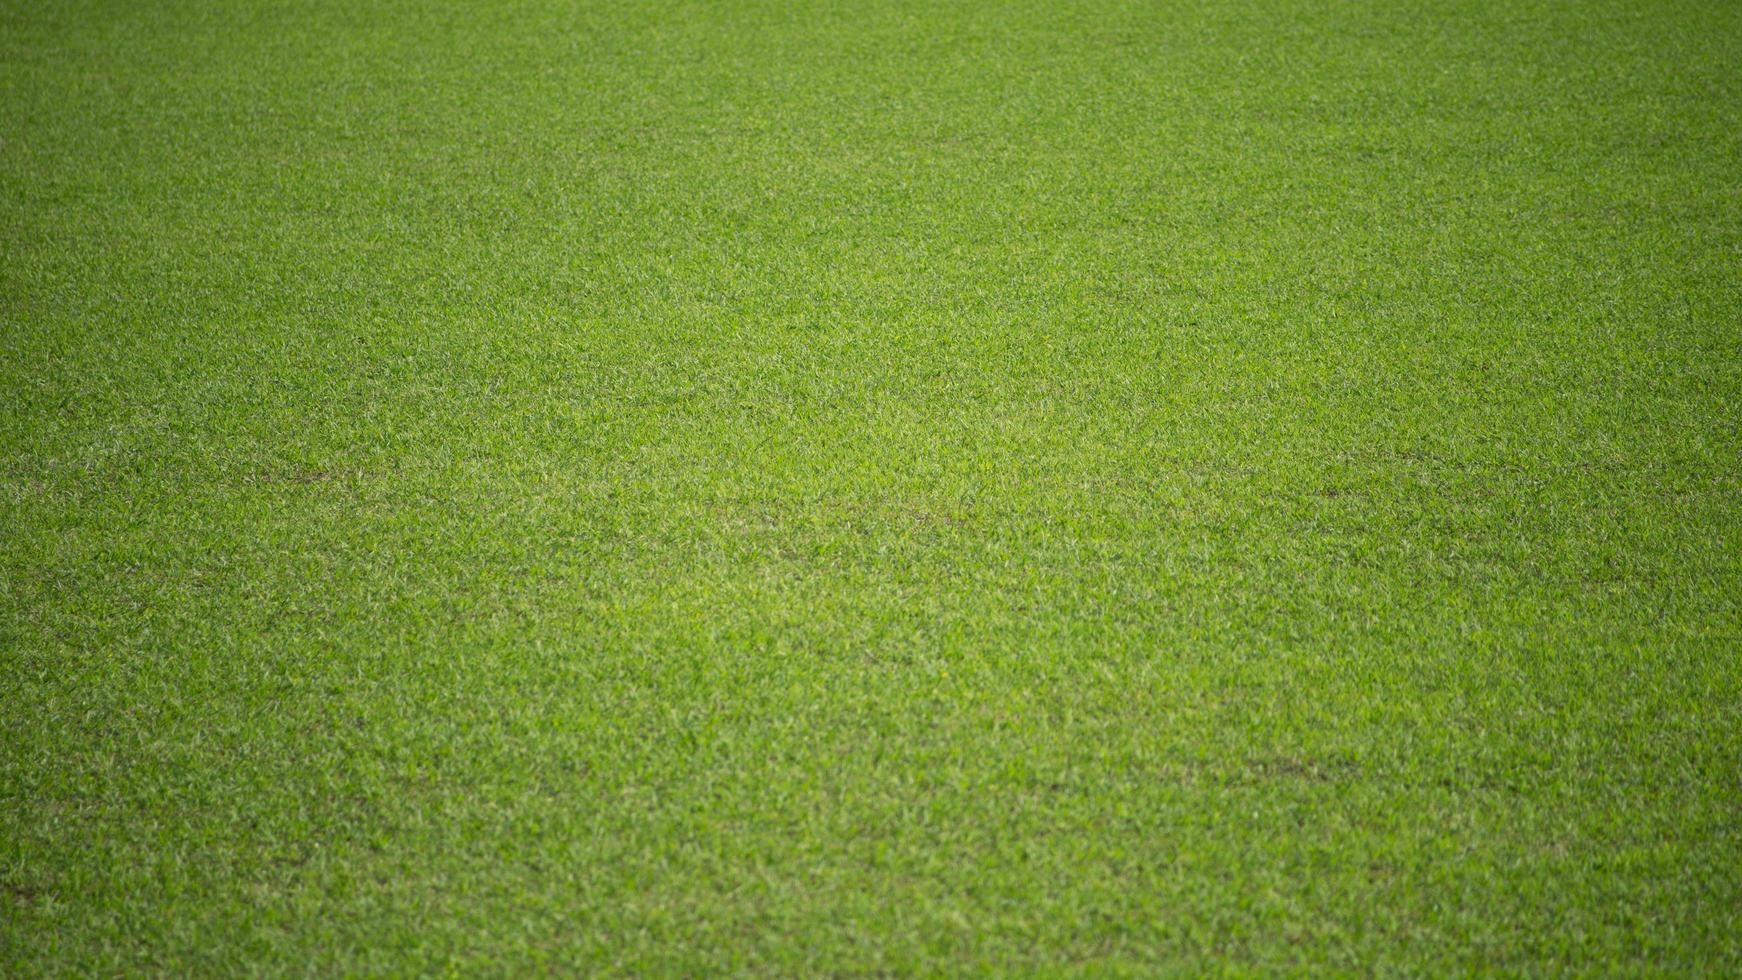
[855, 488]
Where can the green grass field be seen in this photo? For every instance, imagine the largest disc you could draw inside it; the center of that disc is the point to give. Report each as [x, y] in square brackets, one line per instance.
[870, 488]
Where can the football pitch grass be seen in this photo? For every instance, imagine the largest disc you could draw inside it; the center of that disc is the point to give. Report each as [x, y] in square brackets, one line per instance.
[870, 488]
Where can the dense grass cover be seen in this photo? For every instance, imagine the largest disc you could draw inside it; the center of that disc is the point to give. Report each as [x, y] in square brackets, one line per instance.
[870, 487]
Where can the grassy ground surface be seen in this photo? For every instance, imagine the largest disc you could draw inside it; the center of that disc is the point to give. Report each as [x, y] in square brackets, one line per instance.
[772, 487]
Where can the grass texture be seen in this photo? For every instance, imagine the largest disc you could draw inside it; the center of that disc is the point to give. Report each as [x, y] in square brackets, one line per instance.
[844, 488]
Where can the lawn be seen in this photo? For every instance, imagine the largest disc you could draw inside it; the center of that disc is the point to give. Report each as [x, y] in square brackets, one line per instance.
[843, 488]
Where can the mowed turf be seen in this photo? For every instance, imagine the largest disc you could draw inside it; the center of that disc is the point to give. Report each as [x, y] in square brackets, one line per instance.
[857, 488]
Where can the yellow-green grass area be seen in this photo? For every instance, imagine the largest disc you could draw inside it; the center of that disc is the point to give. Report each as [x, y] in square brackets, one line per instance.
[870, 488]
